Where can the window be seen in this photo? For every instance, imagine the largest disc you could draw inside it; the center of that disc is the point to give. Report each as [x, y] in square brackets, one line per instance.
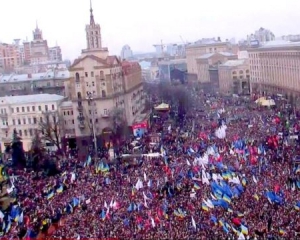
[33, 108]
[105, 111]
[24, 121]
[64, 113]
[103, 93]
[53, 107]
[72, 121]
[96, 120]
[13, 122]
[79, 95]
[28, 109]
[20, 133]
[30, 132]
[86, 74]
[23, 109]
[54, 119]
[25, 133]
[68, 113]
[18, 109]
[72, 112]
[34, 120]
[77, 78]
[41, 119]
[19, 121]
[40, 108]
[46, 108]
[29, 120]
[92, 74]
[241, 72]
[12, 110]
[87, 84]
[93, 84]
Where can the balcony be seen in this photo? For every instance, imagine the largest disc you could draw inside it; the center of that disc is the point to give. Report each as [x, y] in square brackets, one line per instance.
[3, 115]
[81, 118]
[105, 115]
[4, 127]
[80, 108]
[81, 125]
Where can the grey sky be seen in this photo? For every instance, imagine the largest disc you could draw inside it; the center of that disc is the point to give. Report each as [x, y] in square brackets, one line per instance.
[143, 23]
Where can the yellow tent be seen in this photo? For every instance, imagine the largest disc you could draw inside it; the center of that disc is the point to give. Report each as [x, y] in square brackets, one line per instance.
[162, 106]
[268, 103]
[260, 100]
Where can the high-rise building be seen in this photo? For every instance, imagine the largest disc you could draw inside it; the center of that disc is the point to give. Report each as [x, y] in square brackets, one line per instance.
[55, 54]
[10, 56]
[262, 35]
[126, 53]
[275, 68]
[103, 90]
[39, 52]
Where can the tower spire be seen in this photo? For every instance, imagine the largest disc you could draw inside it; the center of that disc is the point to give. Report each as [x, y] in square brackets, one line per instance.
[92, 21]
[36, 24]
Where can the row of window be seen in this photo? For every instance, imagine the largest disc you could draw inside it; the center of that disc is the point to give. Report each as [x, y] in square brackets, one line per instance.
[22, 109]
[68, 113]
[86, 74]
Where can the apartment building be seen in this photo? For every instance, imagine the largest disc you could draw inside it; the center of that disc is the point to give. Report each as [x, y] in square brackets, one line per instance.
[55, 54]
[275, 68]
[51, 81]
[23, 113]
[100, 85]
[10, 56]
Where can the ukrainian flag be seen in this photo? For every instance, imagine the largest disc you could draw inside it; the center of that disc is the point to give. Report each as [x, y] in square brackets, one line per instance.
[256, 197]
[244, 229]
[60, 189]
[297, 208]
[281, 231]
[298, 170]
[226, 175]
[133, 191]
[50, 195]
[204, 207]
[221, 223]
[244, 182]
[196, 186]
[227, 199]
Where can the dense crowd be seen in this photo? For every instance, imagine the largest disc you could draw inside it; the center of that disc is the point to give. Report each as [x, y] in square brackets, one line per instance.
[224, 171]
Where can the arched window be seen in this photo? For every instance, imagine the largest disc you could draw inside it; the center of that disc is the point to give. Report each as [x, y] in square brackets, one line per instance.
[247, 71]
[103, 93]
[77, 78]
[241, 72]
[234, 72]
[79, 95]
[101, 75]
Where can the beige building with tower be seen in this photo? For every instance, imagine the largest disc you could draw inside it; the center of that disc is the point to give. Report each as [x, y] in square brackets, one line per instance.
[194, 51]
[234, 77]
[99, 86]
[275, 69]
[24, 113]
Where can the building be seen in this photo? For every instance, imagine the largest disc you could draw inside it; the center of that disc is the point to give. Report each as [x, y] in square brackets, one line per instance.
[99, 87]
[291, 38]
[194, 51]
[24, 113]
[10, 56]
[51, 81]
[234, 77]
[262, 35]
[209, 62]
[275, 68]
[126, 53]
[167, 68]
[39, 51]
[55, 54]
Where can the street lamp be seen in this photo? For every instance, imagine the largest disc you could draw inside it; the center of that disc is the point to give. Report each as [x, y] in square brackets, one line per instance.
[90, 99]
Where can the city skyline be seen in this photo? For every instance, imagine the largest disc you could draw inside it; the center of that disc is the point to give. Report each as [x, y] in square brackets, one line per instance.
[141, 27]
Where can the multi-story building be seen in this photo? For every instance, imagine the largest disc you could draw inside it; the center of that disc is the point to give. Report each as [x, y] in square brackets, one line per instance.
[39, 51]
[275, 68]
[194, 51]
[10, 56]
[55, 54]
[292, 38]
[167, 68]
[262, 35]
[210, 61]
[126, 53]
[24, 114]
[99, 86]
[51, 81]
[234, 77]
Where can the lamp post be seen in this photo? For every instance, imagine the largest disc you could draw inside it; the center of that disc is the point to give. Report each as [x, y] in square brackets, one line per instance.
[90, 99]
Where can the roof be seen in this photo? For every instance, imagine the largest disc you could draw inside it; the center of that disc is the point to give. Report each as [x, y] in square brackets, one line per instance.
[277, 44]
[243, 55]
[61, 74]
[207, 43]
[209, 55]
[233, 63]
[36, 98]
[66, 104]
[108, 61]
[173, 61]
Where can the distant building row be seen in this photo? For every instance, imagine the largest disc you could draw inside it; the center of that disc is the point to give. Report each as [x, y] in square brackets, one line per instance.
[13, 56]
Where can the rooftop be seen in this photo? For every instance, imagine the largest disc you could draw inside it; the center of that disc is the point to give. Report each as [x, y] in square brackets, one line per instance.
[207, 43]
[277, 44]
[173, 61]
[61, 74]
[66, 104]
[36, 98]
[209, 55]
[234, 63]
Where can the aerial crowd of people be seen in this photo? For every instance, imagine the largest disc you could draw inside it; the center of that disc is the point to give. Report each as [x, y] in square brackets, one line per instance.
[225, 170]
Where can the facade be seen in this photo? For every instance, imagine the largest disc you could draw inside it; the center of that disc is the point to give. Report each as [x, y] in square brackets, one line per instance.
[10, 56]
[99, 86]
[194, 51]
[275, 68]
[291, 38]
[51, 81]
[55, 54]
[39, 51]
[167, 67]
[234, 77]
[210, 61]
[24, 113]
[126, 53]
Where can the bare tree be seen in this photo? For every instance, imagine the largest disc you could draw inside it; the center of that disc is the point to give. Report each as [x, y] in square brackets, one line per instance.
[51, 127]
[37, 150]
[118, 123]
